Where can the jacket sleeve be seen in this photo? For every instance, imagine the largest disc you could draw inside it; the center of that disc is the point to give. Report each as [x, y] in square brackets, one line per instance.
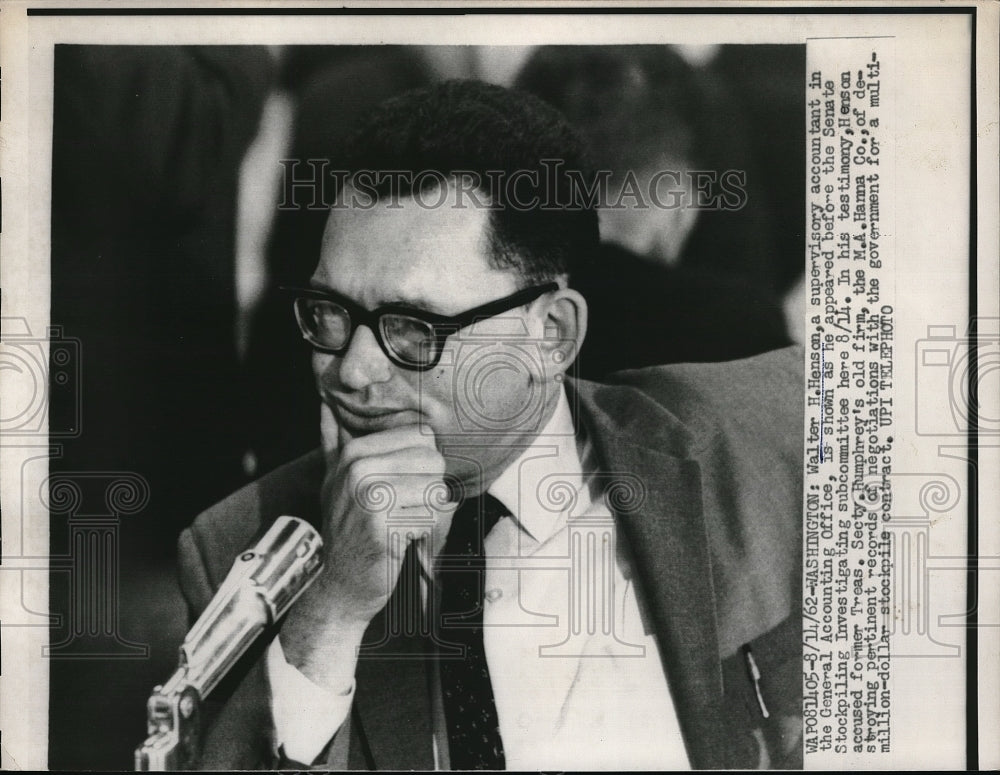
[745, 425]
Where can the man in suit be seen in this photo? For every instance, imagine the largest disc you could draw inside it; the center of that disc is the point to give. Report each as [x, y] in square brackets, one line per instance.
[521, 570]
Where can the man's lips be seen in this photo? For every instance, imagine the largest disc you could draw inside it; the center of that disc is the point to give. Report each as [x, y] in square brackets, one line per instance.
[372, 418]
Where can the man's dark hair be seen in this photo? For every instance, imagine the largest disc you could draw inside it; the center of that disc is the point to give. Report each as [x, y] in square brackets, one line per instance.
[528, 161]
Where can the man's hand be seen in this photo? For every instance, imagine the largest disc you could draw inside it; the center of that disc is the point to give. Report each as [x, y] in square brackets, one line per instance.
[367, 477]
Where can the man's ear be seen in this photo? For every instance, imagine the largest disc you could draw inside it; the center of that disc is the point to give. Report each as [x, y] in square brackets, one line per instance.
[565, 330]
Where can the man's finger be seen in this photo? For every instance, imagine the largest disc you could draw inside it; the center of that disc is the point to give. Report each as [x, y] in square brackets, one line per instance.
[329, 430]
[386, 442]
[412, 475]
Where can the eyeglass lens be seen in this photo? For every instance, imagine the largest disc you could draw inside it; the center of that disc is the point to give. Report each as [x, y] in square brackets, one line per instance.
[412, 340]
[329, 325]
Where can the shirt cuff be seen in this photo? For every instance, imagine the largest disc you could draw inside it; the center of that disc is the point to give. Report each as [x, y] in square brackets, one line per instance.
[306, 716]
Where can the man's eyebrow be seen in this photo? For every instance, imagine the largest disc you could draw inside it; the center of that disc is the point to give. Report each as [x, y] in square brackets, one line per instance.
[316, 285]
[323, 288]
[416, 304]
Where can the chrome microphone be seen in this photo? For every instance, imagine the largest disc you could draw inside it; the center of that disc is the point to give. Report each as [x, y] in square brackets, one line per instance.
[261, 586]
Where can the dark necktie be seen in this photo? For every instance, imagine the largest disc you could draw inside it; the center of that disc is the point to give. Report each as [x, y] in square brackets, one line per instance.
[474, 741]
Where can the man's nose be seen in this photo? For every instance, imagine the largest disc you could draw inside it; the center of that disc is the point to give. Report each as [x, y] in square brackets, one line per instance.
[364, 363]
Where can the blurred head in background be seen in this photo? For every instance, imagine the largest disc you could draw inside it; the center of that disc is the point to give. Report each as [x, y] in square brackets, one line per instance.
[640, 108]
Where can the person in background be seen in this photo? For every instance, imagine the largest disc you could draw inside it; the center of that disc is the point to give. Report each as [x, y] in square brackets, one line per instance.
[648, 117]
[147, 146]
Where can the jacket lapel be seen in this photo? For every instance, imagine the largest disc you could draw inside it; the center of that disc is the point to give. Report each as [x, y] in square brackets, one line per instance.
[667, 538]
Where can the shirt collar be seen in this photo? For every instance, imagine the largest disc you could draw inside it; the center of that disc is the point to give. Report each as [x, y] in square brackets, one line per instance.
[552, 453]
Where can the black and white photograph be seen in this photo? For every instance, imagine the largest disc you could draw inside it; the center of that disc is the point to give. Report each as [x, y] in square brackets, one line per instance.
[596, 391]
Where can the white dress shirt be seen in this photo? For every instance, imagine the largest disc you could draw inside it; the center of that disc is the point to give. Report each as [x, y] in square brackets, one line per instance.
[577, 679]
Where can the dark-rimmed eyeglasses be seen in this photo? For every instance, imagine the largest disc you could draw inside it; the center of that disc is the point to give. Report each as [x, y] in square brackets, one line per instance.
[410, 338]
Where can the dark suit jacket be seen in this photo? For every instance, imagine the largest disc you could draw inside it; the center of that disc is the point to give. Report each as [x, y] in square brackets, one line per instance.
[642, 313]
[716, 545]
